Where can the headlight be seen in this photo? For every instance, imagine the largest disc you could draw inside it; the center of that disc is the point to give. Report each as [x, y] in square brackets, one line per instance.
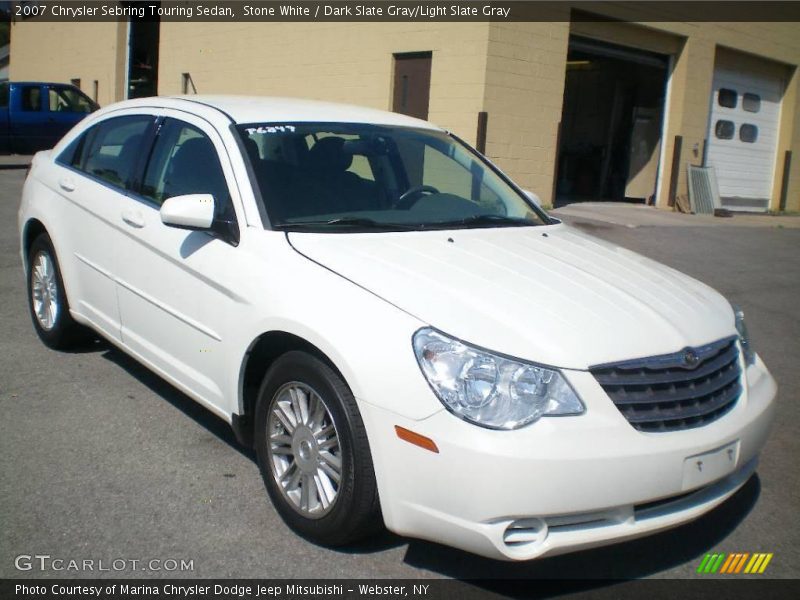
[744, 337]
[490, 390]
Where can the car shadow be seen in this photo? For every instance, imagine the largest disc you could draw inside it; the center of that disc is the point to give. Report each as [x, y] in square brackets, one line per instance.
[90, 344]
[189, 407]
[596, 568]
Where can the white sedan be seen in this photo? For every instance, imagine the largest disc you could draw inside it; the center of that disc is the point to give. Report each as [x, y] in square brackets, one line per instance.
[401, 333]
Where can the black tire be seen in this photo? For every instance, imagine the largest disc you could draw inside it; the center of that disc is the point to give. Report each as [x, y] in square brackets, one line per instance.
[355, 512]
[64, 333]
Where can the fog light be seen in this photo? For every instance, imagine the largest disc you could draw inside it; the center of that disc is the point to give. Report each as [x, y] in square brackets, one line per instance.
[524, 532]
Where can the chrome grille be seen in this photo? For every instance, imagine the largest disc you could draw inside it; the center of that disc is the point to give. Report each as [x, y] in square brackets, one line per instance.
[677, 391]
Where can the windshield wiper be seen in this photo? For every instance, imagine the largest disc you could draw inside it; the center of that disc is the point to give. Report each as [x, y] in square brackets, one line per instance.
[357, 222]
[486, 220]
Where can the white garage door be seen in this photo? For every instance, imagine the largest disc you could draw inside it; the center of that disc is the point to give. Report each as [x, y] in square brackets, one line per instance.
[743, 133]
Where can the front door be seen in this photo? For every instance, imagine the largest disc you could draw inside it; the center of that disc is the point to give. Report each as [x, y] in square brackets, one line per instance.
[175, 286]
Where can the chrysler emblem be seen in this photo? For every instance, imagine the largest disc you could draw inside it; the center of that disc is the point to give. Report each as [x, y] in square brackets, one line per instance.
[690, 358]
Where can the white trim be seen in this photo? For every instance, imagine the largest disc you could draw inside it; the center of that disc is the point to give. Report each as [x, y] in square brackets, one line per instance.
[664, 130]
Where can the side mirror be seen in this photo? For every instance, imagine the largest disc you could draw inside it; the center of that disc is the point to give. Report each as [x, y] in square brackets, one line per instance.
[192, 211]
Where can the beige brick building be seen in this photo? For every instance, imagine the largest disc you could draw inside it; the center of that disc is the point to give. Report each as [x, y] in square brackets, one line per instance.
[575, 109]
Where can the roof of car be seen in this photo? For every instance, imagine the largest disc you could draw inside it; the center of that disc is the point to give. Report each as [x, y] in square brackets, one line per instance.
[263, 109]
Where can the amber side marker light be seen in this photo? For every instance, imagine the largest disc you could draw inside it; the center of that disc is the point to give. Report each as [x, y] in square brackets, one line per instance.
[416, 439]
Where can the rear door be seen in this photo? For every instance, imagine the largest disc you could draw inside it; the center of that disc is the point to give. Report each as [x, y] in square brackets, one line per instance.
[93, 176]
[176, 287]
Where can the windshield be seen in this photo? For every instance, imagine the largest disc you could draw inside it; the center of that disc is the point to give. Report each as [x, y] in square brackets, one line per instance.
[345, 177]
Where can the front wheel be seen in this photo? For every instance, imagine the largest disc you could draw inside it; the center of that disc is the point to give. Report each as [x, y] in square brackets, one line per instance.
[313, 452]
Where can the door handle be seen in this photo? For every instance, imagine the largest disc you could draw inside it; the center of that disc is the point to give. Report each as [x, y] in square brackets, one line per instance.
[67, 185]
[133, 218]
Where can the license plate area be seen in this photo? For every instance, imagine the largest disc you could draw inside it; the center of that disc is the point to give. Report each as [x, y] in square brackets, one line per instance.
[702, 469]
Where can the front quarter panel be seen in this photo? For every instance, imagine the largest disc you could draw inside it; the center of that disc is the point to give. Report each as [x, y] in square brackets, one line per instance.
[367, 339]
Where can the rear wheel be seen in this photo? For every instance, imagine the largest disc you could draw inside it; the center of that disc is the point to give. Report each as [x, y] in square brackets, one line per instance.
[47, 299]
[313, 452]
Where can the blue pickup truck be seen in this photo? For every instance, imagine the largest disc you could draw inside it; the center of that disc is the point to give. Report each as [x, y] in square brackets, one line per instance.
[35, 115]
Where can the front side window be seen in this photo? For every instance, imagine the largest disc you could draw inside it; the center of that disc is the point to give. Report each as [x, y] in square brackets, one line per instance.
[341, 176]
[185, 161]
[68, 100]
[110, 150]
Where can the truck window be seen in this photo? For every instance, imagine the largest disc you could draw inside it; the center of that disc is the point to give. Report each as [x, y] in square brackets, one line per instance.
[31, 98]
[68, 100]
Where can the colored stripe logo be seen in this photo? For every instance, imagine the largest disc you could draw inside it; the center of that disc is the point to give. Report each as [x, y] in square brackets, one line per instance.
[735, 563]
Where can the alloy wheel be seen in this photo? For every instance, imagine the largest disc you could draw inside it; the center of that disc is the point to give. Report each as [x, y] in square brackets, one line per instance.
[304, 450]
[44, 291]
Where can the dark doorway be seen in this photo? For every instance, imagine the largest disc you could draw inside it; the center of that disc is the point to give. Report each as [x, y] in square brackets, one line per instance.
[610, 139]
[412, 84]
[143, 41]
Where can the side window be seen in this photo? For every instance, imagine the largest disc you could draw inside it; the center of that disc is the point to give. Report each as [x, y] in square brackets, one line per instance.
[110, 150]
[67, 100]
[31, 98]
[3, 95]
[184, 161]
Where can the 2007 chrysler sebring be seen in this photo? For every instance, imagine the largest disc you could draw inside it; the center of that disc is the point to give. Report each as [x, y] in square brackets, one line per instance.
[402, 334]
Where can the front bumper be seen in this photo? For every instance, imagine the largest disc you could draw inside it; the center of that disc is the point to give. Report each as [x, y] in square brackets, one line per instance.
[563, 483]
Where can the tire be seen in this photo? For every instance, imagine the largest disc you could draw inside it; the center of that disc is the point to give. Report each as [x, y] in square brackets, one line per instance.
[47, 300]
[303, 453]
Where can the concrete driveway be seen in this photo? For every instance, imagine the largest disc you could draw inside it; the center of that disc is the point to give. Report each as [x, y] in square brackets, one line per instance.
[102, 460]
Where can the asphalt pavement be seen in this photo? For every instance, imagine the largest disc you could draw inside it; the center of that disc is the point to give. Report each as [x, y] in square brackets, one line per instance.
[101, 460]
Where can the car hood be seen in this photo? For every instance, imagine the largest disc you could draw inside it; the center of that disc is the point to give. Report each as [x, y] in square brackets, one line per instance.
[548, 294]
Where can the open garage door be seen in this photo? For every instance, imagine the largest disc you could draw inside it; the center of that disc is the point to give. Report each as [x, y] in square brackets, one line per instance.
[610, 139]
[743, 129]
